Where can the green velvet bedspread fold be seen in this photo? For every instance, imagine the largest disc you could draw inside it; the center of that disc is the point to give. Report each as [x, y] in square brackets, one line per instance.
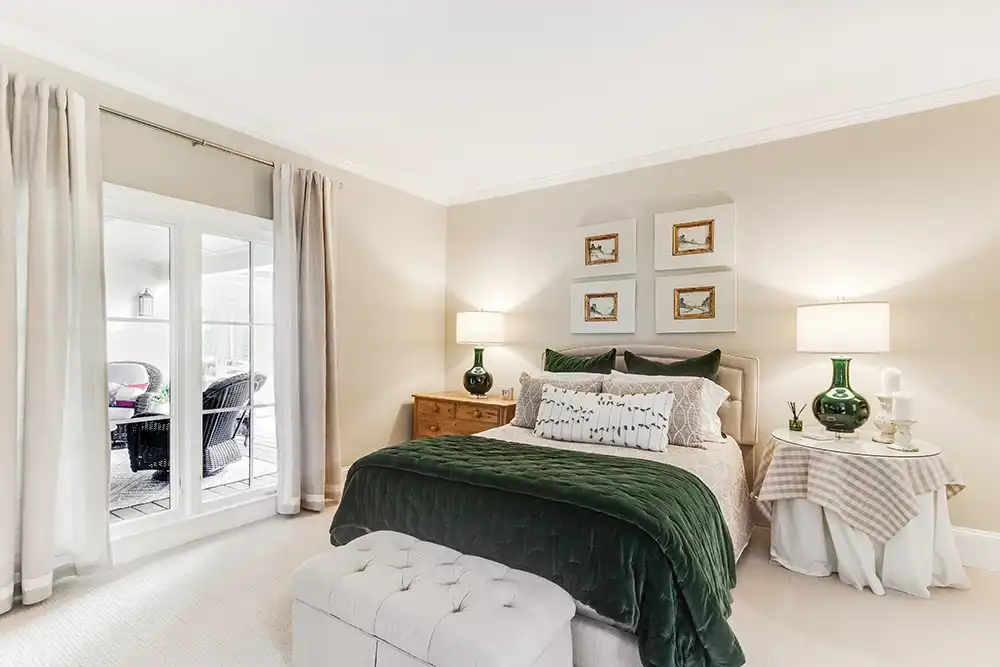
[641, 542]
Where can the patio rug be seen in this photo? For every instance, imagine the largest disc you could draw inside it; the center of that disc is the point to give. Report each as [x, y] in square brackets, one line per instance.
[129, 489]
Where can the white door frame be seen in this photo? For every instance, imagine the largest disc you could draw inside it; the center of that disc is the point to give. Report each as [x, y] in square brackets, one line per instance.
[189, 516]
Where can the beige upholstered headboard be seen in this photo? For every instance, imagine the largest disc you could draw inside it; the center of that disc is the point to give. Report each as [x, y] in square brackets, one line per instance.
[739, 375]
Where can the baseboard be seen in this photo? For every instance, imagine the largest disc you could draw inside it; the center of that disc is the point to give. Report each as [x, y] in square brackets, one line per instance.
[130, 547]
[333, 491]
[979, 549]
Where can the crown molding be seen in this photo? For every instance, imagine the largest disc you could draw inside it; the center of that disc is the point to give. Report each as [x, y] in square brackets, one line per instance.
[121, 76]
[901, 107]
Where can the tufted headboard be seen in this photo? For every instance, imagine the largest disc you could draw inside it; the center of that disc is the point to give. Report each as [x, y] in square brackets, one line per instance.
[739, 375]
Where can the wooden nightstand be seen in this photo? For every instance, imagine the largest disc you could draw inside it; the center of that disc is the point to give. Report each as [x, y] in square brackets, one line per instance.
[457, 413]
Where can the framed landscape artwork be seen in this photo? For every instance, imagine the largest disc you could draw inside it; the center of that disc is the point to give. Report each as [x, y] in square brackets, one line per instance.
[600, 307]
[696, 303]
[606, 306]
[602, 249]
[606, 249]
[696, 239]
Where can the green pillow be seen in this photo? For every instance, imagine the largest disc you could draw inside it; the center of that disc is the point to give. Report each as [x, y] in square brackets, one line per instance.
[706, 366]
[556, 362]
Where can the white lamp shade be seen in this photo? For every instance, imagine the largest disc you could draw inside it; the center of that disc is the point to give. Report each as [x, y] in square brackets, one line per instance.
[479, 328]
[843, 328]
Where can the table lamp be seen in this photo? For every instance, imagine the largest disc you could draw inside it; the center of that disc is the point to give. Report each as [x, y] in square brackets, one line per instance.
[840, 329]
[478, 328]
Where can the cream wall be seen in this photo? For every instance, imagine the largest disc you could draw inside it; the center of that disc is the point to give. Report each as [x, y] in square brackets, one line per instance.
[906, 210]
[390, 248]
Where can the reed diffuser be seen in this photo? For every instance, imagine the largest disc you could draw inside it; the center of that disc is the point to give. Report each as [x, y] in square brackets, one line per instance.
[795, 424]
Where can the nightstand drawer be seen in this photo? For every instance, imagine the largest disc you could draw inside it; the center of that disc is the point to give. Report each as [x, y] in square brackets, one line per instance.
[466, 427]
[485, 414]
[428, 427]
[436, 408]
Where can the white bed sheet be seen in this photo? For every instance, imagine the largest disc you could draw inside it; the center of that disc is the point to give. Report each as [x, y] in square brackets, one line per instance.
[597, 642]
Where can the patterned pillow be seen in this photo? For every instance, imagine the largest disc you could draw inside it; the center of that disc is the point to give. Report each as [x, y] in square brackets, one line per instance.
[639, 421]
[694, 418]
[531, 394]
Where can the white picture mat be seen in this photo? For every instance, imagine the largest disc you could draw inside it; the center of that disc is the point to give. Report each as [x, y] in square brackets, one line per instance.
[626, 249]
[626, 307]
[725, 302]
[724, 254]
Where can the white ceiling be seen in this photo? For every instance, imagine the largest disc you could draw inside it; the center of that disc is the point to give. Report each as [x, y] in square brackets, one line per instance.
[457, 100]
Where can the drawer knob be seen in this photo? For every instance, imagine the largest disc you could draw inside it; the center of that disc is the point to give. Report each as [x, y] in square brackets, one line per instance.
[433, 428]
[435, 407]
[477, 413]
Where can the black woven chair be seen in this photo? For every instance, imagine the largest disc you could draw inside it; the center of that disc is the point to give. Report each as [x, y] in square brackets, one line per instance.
[143, 402]
[149, 442]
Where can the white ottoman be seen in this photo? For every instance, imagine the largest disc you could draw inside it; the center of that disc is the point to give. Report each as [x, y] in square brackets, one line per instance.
[390, 600]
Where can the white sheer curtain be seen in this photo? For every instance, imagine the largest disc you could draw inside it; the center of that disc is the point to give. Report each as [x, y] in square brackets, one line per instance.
[53, 419]
[305, 361]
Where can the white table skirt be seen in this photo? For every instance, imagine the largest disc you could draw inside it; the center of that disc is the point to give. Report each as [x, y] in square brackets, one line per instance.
[811, 540]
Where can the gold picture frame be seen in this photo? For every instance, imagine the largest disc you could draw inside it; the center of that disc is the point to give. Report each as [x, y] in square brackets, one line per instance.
[596, 307]
[595, 251]
[701, 243]
[694, 303]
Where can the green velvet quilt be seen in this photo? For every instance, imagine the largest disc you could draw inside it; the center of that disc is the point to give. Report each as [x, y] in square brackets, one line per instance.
[641, 542]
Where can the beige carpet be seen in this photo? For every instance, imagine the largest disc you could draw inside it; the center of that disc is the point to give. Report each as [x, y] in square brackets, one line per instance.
[224, 602]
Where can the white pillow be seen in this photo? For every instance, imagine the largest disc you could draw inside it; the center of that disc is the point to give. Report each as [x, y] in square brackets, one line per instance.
[568, 376]
[694, 418]
[639, 421]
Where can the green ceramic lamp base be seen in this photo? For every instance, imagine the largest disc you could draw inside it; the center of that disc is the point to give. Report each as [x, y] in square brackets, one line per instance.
[840, 409]
[477, 380]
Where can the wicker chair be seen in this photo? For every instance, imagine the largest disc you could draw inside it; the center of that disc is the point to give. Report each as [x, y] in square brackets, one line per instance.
[149, 442]
[142, 401]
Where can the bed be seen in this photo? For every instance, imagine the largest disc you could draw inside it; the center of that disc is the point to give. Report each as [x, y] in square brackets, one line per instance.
[599, 640]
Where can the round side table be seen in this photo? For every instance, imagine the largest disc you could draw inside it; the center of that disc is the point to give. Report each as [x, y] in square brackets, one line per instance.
[876, 516]
[862, 445]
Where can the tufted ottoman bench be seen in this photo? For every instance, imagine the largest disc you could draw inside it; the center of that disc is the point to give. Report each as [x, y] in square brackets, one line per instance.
[390, 600]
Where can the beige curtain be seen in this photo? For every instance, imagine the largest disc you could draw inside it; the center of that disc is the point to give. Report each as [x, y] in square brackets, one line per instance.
[305, 359]
[54, 450]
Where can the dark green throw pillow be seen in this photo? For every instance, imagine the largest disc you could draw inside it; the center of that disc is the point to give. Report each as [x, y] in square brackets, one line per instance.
[706, 366]
[556, 362]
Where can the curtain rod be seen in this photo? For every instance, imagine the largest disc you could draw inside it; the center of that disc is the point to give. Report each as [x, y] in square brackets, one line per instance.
[197, 141]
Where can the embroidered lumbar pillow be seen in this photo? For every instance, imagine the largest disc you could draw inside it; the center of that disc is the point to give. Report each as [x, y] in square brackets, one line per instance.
[639, 421]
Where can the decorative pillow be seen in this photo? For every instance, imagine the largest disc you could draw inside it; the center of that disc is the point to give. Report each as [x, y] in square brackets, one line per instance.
[639, 421]
[706, 366]
[694, 417]
[124, 396]
[531, 394]
[557, 362]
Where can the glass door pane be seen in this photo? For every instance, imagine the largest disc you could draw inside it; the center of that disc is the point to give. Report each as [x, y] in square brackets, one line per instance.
[137, 290]
[238, 435]
[226, 357]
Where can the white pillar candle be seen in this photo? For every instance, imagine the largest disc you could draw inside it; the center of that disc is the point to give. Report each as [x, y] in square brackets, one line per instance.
[902, 406]
[891, 380]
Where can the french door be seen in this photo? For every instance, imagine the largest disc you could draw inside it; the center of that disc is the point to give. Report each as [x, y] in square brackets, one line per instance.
[191, 397]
